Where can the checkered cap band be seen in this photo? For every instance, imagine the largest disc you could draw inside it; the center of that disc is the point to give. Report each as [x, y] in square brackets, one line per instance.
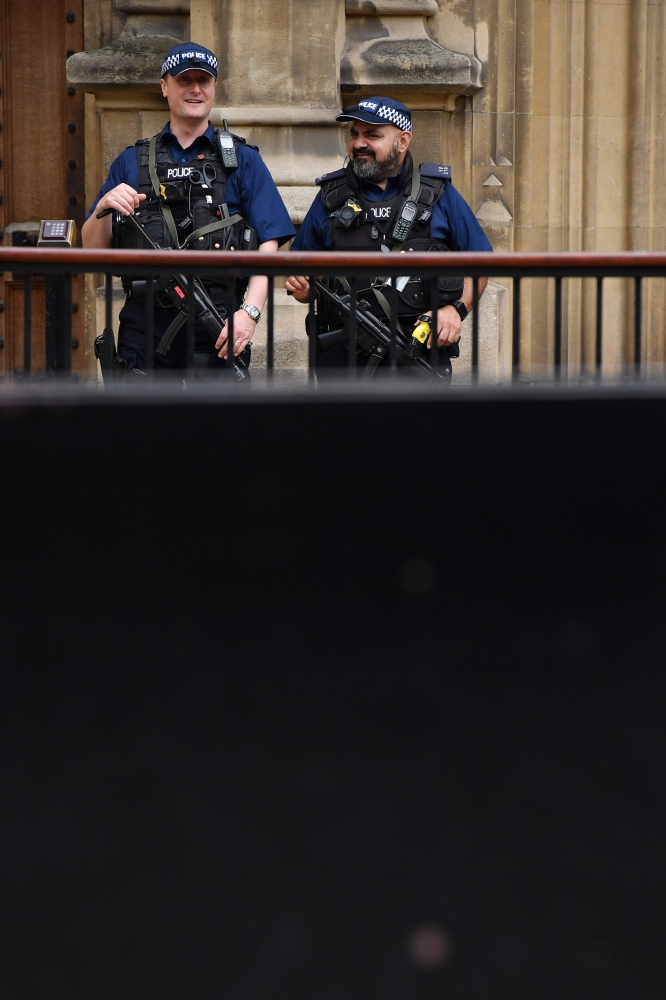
[395, 117]
[183, 57]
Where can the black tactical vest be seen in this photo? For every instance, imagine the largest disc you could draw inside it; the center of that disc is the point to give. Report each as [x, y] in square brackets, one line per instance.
[360, 224]
[189, 199]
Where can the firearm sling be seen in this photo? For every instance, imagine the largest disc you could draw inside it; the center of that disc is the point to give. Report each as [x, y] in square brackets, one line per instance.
[212, 227]
[155, 181]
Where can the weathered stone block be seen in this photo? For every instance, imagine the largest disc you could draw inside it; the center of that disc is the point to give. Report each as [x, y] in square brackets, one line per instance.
[494, 340]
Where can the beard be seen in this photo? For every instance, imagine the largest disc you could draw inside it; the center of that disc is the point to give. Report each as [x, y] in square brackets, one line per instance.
[377, 170]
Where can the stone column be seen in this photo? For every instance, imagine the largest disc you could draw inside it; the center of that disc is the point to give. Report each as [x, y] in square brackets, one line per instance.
[562, 149]
[121, 82]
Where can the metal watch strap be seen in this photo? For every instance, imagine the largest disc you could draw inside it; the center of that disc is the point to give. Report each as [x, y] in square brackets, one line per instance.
[246, 307]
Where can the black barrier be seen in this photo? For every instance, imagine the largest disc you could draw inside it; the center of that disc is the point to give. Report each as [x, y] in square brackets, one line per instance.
[370, 705]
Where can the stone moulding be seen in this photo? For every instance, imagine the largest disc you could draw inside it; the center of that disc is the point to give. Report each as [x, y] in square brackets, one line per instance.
[400, 52]
[136, 57]
[279, 116]
[388, 8]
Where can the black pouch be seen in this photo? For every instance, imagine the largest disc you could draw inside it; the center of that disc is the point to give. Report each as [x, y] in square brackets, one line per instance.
[449, 286]
[128, 238]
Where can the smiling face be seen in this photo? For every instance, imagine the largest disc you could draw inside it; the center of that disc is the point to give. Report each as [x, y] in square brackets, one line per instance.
[190, 94]
[377, 151]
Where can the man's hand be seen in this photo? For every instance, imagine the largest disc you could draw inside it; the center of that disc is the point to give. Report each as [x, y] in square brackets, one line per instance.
[123, 199]
[299, 288]
[449, 326]
[244, 327]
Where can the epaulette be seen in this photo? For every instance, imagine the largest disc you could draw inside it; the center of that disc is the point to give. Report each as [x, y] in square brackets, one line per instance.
[243, 142]
[334, 175]
[139, 142]
[435, 170]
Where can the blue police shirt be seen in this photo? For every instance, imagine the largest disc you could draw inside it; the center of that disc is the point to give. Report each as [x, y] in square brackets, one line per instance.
[452, 220]
[250, 190]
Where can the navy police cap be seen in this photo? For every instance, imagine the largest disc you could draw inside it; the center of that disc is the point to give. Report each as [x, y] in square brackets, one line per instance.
[188, 55]
[379, 111]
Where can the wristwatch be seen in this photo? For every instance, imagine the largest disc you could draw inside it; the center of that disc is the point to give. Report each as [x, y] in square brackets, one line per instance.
[252, 311]
[461, 309]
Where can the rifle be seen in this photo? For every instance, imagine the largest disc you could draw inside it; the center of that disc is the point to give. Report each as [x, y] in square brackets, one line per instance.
[176, 287]
[373, 336]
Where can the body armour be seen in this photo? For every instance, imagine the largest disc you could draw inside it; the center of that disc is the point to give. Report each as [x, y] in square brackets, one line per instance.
[360, 224]
[185, 208]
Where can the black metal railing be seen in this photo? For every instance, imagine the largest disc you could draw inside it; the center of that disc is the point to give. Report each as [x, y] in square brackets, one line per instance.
[59, 265]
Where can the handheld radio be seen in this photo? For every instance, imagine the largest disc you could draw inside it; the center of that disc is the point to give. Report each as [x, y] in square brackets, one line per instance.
[226, 146]
[404, 221]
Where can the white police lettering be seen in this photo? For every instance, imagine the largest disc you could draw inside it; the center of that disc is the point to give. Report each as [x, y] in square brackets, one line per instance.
[174, 172]
[368, 104]
[382, 213]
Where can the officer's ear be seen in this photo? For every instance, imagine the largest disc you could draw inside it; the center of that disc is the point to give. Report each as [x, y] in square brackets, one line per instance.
[405, 141]
[163, 85]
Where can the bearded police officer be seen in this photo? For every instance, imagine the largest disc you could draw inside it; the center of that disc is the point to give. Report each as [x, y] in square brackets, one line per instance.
[191, 187]
[358, 207]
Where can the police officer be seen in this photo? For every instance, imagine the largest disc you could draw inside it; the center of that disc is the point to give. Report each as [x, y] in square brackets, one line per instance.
[186, 196]
[357, 209]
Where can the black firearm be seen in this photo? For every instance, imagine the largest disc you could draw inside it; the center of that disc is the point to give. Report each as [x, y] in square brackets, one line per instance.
[176, 288]
[372, 335]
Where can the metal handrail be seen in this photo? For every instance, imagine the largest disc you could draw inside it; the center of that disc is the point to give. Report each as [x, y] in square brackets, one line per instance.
[572, 264]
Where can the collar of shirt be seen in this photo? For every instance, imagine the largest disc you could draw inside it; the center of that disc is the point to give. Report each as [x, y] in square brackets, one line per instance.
[374, 193]
[185, 155]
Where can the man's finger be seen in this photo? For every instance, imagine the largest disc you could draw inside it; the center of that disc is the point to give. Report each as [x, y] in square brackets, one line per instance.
[222, 339]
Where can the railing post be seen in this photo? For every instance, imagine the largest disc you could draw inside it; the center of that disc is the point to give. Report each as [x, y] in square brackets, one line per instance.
[27, 322]
[351, 361]
[270, 328]
[558, 327]
[150, 326]
[231, 332]
[108, 323]
[475, 330]
[312, 329]
[393, 303]
[433, 290]
[191, 332]
[638, 326]
[598, 340]
[515, 360]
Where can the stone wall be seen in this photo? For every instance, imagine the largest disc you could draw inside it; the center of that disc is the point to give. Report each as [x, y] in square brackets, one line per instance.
[551, 113]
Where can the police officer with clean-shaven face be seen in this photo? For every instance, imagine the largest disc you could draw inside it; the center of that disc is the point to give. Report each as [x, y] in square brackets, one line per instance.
[357, 207]
[180, 188]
